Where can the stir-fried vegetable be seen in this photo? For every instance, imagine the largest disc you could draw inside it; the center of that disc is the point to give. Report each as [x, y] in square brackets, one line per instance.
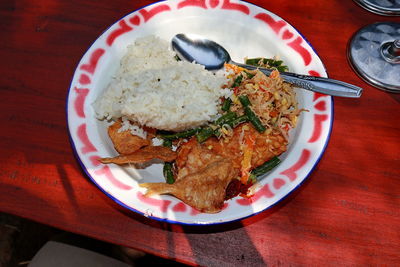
[168, 173]
[174, 136]
[230, 120]
[238, 121]
[250, 114]
[204, 134]
[229, 116]
[244, 100]
[266, 167]
[167, 143]
[237, 81]
[269, 63]
[226, 105]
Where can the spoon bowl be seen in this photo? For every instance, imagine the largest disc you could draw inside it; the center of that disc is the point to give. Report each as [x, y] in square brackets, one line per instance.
[213, 56]
[202, 51]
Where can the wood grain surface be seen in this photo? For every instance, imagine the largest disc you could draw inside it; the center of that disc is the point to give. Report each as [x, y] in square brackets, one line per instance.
[345, 214]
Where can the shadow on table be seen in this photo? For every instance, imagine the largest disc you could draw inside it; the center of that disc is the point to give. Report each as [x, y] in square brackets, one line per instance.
[227, 243]
[26, 236]
[43, 206]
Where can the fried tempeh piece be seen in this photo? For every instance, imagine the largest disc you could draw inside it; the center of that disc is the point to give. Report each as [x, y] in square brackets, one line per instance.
[267, 145]
[192, 156]
[125, 142]
[143, 155]
[204, 190]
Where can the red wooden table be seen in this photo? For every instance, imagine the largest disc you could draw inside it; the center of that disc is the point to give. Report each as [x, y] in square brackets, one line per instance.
[346, 213]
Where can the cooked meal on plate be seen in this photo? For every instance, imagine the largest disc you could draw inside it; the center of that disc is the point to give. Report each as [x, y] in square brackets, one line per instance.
[216, 133]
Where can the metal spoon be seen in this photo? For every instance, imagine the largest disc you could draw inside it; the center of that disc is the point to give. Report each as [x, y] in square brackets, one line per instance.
[213, 56]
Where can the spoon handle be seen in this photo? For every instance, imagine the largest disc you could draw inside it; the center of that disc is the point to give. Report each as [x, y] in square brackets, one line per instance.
[316, 84]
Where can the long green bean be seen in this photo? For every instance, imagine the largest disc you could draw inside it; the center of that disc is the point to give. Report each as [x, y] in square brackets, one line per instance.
[244, 100]
[167, 143]
[227, 104]
[204, 134]
[231, 120]
[237, 81]
[266, 167]
[237, 121]
[168, 173]
[267, 63]
[249, 75]
[174, 136]
[226, 118]
[255, 121]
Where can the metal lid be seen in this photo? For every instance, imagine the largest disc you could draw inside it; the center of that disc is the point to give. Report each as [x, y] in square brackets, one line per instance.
[374, 53]
[381, 7]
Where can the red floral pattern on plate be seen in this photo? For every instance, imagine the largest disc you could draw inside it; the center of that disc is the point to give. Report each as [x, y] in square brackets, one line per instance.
[85, 141]
[276, 25]
[193, 3]
[278, 183]
[148, 14]
[123, 28]
[94, 59]
[235, 6]
[291, 172]
[84, 79]
[297, 45]
[160, 203]
[265, 191]
[319, 119]
[79, 103]
[105, 170]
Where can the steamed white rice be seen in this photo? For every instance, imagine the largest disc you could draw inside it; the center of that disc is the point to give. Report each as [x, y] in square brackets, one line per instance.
[153, 89]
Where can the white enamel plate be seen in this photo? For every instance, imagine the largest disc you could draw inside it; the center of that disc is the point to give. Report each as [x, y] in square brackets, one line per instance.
[244, 30]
